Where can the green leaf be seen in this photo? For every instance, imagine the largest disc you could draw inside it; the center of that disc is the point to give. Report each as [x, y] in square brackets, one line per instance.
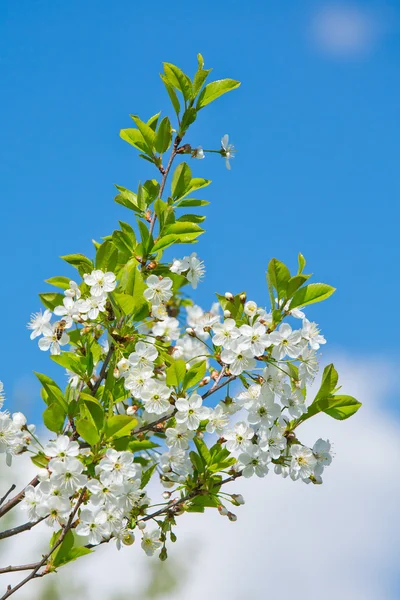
[54, 417]
[172, 94]
[181, 180]
[295, 283]
[147, 240]
[51, 300]
[196, 462]
[192, 202]
[314, 292]
[73, 362]
[182, 227]
[153, 121]
[147, 134]
[176, 372]
[88, 431]
[119, 426]
[191, 219]
[94, 408]
[279, 276]
[80, 262]
[189, 117]
[146, 476]
[195, 374]
[53, 392]
[128, 199]
[66, 553]
[165, 241]
[329, 382]
[302, 263]
[106, 257]
[134, 138]
[40, 460]
[339, 407]
[164, 136]
[202, 450]
[59, 282]
[177, 78]
[214, 90]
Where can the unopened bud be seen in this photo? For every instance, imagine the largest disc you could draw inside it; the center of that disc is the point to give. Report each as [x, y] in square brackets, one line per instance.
[131, 410]
[204, 381]
[172, 536]
[229, 296]
[152, 265]
[128, 539]
[227, 314]
[223, 510]
[166, 495]
[141, 525]
[116, 373]
[232, 517]
[163, 554]
[214, 374]
[243, 297]
[238, 499]
[190, 331]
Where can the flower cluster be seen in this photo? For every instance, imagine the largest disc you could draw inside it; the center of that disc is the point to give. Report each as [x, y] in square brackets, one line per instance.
[74, 309]
[189, 266]
[15, 434]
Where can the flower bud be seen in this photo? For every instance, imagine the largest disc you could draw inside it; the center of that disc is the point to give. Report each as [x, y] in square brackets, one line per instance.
[43, 474]
[232, 517]
[238, 499]
[131, 410]
[19, 419]
[229, 296]
[141, 525]
[243, 297]
[190, 331]
[223, 510]
[204, 381]
[227, 314]
[128, 539]
[166, 495]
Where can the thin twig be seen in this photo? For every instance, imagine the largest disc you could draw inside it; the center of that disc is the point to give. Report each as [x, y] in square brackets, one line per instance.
[218, 387]
[103, 369]
[17, 499]
[19, 529]
[34, 573]
[12, 569]
[12, 488]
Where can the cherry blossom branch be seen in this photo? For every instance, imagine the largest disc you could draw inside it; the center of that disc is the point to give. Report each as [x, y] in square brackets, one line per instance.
[17, 499]
[103, 369]
[19, 529]
[11, 590]
[165, 173]
[7, 493]
[13, 569]
[217, 387]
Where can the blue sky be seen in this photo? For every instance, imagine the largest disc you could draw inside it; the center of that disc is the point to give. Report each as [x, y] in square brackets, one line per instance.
[315, 123]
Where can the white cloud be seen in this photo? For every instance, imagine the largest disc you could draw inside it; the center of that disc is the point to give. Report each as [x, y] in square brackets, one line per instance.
[344, 30]
[338, 540]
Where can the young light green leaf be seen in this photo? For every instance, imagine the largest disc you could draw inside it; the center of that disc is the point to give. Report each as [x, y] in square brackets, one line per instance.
[214, 90]
[164, 136]
[314, 292]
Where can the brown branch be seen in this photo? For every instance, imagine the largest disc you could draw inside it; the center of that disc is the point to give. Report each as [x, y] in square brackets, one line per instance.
[103, 369]
[12, 569]
[19, 529]
[17, 499]
[34, 573]
[164, 179]
[12, 488]
[217, 387]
